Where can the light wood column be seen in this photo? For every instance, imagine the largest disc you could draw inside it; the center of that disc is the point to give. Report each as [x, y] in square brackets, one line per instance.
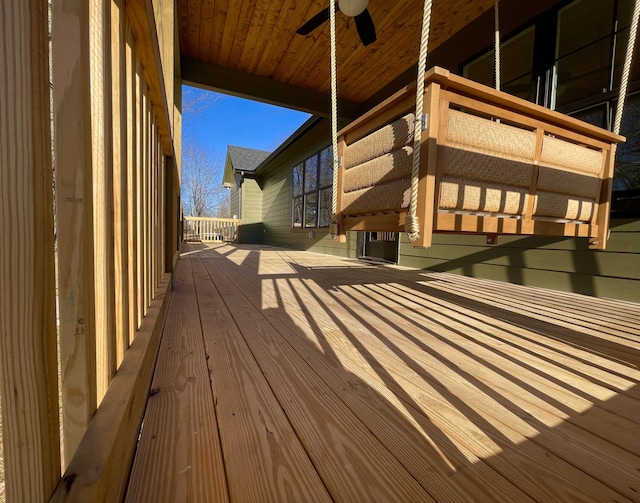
[27, 279]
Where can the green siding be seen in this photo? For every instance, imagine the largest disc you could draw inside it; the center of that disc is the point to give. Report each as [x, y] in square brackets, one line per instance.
[559, 264]
[276, 201]
[276, 217]
[233, 200]
[252, 228]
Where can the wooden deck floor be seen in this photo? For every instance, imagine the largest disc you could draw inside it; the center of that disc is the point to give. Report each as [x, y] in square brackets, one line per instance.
[291, 376]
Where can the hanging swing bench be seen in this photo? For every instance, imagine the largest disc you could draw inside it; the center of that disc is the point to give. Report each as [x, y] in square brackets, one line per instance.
[490, 164]
[481, 161]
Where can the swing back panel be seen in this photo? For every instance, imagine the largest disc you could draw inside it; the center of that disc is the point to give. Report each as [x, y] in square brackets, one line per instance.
[491, 164]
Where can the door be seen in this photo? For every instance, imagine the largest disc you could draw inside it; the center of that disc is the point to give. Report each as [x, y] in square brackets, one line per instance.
[380, 246]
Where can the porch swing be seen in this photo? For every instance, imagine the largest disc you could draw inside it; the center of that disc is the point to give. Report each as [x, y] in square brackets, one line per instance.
[484, 162]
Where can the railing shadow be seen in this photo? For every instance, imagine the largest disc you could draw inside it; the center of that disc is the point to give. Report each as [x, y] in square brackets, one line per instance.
[459, 405]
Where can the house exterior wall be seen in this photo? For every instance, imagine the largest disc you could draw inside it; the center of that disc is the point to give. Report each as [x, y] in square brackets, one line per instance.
[277, 200]
[234, 198]
[276, 215]
[251, 214]
[562, 264]
[557, 263]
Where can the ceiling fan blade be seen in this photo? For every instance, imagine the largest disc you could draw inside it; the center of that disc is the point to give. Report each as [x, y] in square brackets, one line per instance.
[366, 28]
[314, 22]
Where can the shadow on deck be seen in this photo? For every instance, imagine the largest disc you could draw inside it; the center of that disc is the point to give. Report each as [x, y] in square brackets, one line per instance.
[292, 376]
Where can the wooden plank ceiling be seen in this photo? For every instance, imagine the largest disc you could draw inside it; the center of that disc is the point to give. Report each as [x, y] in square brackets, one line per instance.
[250, 47]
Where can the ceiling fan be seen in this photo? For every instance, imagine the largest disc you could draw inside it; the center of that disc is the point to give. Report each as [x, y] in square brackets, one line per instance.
[352, 8]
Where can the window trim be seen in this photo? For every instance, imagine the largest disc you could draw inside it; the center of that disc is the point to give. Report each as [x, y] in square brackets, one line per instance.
[319, 188]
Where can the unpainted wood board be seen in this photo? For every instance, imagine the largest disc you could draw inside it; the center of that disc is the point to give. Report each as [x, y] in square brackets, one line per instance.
[583, 454]
[144, 210]
[99, 470]
[264, 458]
[179, 457]
[131, 152]
[539, 343]
[99, 66]
[576, 283]
[120, 206]
[143, 24]
[586, 451]
[74, 208]
[581, 309]
[28, 362]
[523, 465]
[272, 53]
[139, 141]
[622, 347]
[623, 383]
[446, 473]
[353, 465]
[615, 319]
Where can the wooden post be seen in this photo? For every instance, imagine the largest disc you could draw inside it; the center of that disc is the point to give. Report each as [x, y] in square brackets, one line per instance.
[132, 181]
[428, 198]
[139, 209]
[101, 145]
[603, 206]
[28, 360]
[120, 180]
[171, 224]
[74, 208]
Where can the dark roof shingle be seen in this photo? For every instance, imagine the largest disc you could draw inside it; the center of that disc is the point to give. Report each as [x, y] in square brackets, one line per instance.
[246, 159]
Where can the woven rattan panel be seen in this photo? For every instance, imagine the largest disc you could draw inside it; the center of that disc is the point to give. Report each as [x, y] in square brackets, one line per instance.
[391, 196]
[388, 167]
[471, 195]
[486, 136]
[486, 168]
[564, 207]
[383, 141]
[568, 183]
[563, 154]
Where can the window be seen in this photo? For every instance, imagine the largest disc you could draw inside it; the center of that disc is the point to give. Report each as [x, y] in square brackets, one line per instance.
[577, 72]
[312, 183]
[590, 43]
[516, 64]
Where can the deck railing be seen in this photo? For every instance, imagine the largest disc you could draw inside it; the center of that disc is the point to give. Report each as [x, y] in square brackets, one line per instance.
[115, 222]
[210, 229]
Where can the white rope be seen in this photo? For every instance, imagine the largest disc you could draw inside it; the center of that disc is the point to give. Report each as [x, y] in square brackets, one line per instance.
[497, 44]
[624, 83]
[412, 224]
[334, 121]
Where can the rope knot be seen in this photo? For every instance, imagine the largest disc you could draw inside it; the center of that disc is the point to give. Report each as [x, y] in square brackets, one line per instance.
[412, 227]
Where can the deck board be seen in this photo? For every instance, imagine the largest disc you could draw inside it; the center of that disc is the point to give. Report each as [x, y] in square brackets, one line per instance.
[179, 457]
[322, 378]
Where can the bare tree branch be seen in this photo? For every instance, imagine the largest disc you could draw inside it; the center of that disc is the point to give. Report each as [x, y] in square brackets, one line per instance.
[202, 192]
[196, 101]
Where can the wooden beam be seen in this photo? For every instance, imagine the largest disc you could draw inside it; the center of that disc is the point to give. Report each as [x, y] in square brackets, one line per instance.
[28, 362]
[143, 24]
[74, 209]
[132, 183]
[120, 179]
[99, 470]
[101, 164]
[225, 80]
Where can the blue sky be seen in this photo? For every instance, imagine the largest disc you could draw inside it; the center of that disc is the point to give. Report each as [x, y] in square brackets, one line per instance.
[237, 121]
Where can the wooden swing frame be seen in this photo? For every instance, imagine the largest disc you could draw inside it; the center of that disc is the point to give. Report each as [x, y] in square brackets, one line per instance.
[557, 139]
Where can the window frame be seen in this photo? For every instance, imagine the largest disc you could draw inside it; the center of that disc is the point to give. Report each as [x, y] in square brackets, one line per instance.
[545, 68]
[302, 199]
